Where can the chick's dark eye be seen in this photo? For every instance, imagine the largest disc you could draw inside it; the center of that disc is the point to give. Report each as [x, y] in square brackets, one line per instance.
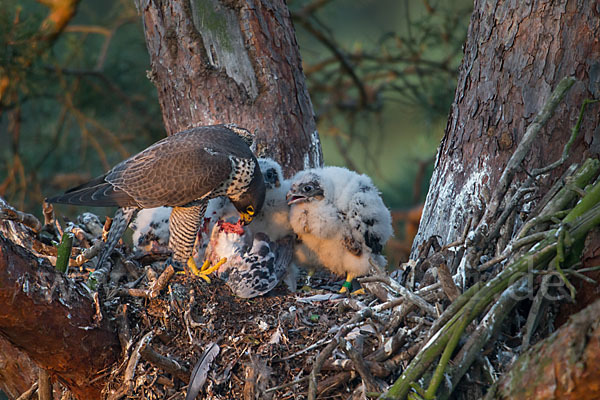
[307, 188]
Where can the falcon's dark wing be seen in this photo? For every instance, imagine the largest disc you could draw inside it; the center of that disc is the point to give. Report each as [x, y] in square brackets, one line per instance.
[172, 172]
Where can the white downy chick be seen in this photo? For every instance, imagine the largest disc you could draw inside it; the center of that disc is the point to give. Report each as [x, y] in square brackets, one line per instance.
[151, 229]
[340, 220]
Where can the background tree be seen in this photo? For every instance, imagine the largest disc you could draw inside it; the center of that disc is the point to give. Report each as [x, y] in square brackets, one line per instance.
[514, 56]
[491, 176]
[235, 62]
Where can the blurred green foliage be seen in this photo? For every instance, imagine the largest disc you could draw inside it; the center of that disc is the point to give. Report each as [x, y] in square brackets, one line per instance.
[381, 74]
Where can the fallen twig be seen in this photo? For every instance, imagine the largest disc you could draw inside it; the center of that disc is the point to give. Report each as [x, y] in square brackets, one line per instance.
[326, 352]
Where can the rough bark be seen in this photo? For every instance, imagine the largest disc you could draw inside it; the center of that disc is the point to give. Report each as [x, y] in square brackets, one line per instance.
[17, 371]
[565, 366]
[515, 55]
[233, 62]
[52, 320]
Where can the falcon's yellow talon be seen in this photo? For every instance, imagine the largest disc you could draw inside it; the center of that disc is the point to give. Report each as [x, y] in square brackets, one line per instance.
[214, 267]
[205, 270]
[193, 267]
[205, 266]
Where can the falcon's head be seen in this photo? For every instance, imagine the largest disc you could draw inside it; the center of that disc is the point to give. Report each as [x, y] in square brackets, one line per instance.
[250, 202]
[306, 189]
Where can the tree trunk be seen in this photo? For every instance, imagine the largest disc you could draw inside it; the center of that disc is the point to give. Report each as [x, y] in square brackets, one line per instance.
[17, 371]
[53, 321]
[515, 55]
[565, 366]
[233, 62]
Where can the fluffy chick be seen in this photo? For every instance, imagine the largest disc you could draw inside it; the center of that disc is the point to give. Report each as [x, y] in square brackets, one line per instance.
[340, 220]
[273, 219]
[151, 229]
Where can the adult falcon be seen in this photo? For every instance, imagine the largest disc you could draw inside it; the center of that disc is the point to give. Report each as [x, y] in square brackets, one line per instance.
[182, 171]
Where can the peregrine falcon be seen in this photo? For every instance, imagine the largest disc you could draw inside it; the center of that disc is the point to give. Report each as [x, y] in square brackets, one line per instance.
[182, 171]
[253, 266]
[340, 219]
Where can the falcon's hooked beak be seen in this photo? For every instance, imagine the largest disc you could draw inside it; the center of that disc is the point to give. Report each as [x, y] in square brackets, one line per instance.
[245, 218]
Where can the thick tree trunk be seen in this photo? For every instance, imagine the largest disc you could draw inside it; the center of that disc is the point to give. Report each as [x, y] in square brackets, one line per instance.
[233, 62]
[53, 321]
[515, 55]
[565, 366]
[17, 371]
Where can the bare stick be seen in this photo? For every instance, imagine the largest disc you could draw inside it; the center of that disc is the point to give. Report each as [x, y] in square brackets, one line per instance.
[134, 359]
[408, 295]
[347, 327]
[360, 366]
[19, 216]
[286, 385]
[165, 363]
[44, 385]
[28, 394]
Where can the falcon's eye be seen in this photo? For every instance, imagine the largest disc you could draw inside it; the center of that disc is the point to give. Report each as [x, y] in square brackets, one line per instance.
[250, 210]
[307, 188]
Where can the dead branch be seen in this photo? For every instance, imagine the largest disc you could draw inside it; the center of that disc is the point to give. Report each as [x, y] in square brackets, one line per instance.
[165, 363]
[27, 395]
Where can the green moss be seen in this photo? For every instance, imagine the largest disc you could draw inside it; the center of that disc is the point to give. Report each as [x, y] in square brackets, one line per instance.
[206, 17]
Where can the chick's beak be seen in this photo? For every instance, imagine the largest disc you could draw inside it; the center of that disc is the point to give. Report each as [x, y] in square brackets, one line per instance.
[245, 218]
[292, 197]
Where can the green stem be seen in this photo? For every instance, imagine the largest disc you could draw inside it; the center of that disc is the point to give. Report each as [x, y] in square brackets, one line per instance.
[581, 178]
[438, 375]
[591, 198]
[64, 252]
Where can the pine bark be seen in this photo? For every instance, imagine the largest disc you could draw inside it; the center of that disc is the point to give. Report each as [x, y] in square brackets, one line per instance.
[17, 371]
[516, 53]
[233, 61]
[565, 366]
[53, 321]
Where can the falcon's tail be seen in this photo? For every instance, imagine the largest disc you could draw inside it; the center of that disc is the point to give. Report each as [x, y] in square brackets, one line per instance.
[96, 192]
[122, 218]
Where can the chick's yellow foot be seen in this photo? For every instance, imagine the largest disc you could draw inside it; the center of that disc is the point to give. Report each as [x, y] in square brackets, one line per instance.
[206, 269]
[348, 284]
[346, 287]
